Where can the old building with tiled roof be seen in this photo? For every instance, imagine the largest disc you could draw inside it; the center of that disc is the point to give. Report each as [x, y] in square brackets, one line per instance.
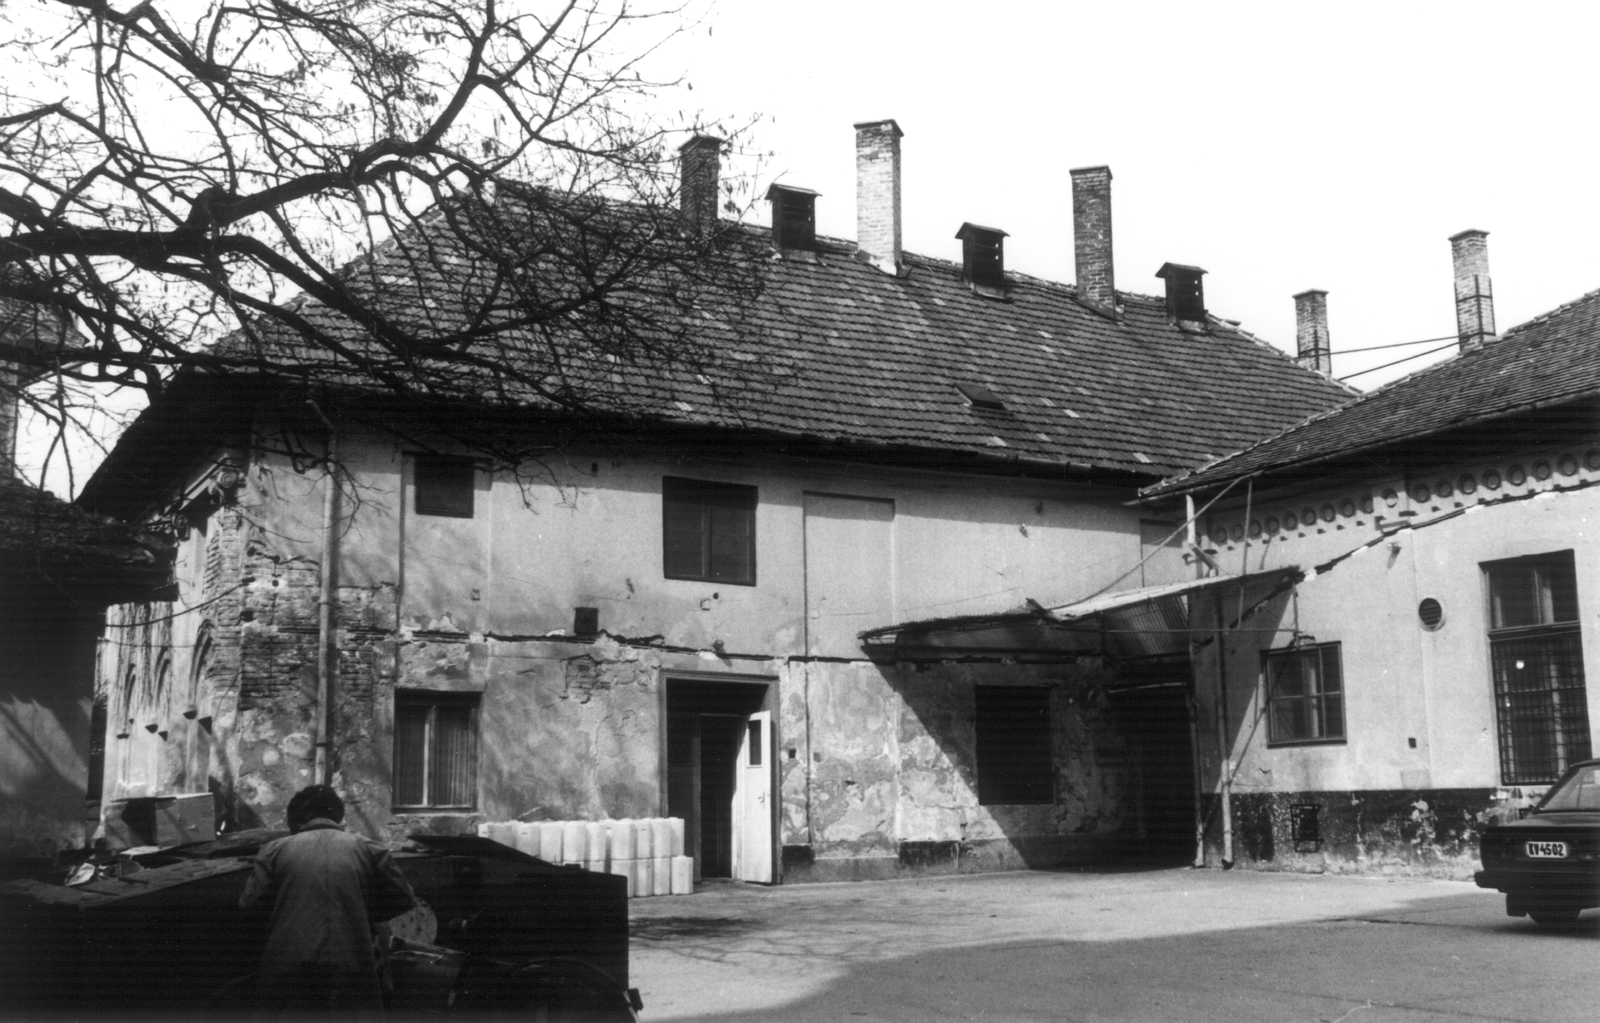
[664, 619]
[1411, 660]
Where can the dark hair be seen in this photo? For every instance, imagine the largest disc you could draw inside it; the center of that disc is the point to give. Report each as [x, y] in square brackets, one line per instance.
[312, 802]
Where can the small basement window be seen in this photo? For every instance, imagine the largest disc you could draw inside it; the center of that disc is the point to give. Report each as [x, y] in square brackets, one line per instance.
[794, 217]
[708, 531]
[980, 396]
[443, 485]
[983, 258]
[1016, 759]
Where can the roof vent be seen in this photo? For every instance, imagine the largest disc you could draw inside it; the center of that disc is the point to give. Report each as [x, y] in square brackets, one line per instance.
[981, 397]
[1186, 299]
[794, 217]
[983, 256]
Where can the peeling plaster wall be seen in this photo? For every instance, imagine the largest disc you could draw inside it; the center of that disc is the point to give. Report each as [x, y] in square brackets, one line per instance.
[887, 782]
[572, 727]
[1418, 772]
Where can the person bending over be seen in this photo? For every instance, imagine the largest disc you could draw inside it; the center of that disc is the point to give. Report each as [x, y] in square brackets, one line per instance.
[319, 954]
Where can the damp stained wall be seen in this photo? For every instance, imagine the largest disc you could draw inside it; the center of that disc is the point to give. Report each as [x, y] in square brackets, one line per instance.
[571, 727]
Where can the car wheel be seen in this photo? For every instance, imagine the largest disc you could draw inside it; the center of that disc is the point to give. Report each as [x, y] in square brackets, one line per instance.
[1549, 917]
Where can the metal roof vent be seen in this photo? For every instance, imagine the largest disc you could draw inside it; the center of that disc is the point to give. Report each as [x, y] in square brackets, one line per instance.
[1186, 299]
[981, 397]
[794, 217]
[983, 255]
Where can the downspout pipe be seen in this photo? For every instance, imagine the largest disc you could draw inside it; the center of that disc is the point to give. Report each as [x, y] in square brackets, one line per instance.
[1224, 751]
[323, 714]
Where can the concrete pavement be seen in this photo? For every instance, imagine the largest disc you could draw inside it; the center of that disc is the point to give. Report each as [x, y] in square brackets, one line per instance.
[1146, 945]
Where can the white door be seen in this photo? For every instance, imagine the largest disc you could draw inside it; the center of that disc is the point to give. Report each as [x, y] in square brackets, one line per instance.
[752, 802]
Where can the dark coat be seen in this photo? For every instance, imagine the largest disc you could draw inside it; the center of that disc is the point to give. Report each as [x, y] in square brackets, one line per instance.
[318, 880]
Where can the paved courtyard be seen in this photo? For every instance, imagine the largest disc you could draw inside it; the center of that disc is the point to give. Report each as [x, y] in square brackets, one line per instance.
[1150, 945]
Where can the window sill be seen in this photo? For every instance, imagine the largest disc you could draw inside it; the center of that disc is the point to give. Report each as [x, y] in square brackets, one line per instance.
[708, 582]
[1291, 743]
[413, 811]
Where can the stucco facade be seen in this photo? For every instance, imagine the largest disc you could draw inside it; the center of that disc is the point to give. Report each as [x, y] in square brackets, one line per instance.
[875, 761]
[1419, 766]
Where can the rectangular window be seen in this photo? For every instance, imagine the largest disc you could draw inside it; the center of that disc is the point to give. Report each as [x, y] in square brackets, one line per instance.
[1536, 655]
[443, 485]
[709, 531]
[1305, 695]
[1016, 761]
[435, 750]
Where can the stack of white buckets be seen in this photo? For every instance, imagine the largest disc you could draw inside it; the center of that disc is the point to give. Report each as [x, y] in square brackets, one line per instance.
[648, 852]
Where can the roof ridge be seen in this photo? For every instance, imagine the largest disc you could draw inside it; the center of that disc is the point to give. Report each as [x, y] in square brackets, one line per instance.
[1545, 316]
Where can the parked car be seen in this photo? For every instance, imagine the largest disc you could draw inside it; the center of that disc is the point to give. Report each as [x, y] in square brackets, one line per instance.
[1548, 863]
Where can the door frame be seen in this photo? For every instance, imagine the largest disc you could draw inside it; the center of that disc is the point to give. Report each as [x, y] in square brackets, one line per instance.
[769, 702]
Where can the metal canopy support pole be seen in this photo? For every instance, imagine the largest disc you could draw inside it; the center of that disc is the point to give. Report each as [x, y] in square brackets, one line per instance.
[1224, 752]
[323, 717]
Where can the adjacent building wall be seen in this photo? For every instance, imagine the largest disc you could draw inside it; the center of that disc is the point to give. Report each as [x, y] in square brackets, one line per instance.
[1419, 770]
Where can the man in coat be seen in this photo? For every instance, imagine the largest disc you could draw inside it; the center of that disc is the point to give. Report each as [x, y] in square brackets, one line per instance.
[319, 954]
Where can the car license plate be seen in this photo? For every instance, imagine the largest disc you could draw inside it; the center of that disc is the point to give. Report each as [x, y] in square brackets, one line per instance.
[1546, 850]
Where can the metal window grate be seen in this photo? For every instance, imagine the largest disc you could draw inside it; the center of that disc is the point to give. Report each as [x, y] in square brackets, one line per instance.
[1542, 704]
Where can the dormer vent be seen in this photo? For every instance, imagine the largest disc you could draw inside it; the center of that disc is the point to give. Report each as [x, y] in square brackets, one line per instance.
[1186, 298]
[794, 217]
[981, 397]
[983, 255]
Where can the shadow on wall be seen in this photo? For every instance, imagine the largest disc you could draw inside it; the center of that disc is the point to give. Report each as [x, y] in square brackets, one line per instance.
[923, 783]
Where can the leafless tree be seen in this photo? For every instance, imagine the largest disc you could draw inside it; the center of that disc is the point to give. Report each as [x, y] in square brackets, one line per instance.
[452, 200]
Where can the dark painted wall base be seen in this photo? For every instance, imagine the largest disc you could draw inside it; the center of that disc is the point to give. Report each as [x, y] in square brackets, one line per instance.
[804, 864]
[1423, 831]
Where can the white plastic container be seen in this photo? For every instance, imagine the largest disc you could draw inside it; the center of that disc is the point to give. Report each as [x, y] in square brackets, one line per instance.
[595, 840]
[526, 838]
[683, 875]
[622, 839]
[643, 878]
[677, 835]
[641, 840]
[550, 841]
[574, 842]
[661, 875]
[504, 832]
[624, 868]
[660, 837]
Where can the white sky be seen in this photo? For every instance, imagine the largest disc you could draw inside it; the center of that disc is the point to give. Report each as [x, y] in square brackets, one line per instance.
[1280, 146]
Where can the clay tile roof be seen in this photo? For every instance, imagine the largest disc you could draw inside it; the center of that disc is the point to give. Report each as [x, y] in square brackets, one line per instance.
[875, 359]
[51, 550]
[1551, 360]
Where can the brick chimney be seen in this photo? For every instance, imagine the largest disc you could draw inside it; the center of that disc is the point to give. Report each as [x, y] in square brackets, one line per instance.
[1474, 294]
[1091, 238]
[699, 168]
[1311, 330]
[878, 194]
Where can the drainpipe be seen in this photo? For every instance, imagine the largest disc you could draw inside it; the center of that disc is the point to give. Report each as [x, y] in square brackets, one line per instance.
[1224, 752]
[1199, 794]
[323, 716]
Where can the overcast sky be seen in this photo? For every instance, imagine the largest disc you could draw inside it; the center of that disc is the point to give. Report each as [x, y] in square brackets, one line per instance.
[1279, 146]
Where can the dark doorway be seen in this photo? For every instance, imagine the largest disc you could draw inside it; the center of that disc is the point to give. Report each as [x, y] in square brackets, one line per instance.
[705, 722]
[1154, 718]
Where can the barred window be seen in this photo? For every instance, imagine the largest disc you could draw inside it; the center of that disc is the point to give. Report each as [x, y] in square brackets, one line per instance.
[1536, 655]
[1016, 760]
[1305, 695]
[435, 750]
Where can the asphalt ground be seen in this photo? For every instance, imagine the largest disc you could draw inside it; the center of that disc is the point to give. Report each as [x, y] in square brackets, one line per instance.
[1141, 945]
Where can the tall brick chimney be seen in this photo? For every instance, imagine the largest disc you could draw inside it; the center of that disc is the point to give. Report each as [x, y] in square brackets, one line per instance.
[1091, 238]
[699, 168]
[1311, 330]
[878, 193]
[1474, 293]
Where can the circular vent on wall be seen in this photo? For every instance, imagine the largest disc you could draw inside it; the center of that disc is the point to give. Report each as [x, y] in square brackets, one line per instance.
[1431, 613]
